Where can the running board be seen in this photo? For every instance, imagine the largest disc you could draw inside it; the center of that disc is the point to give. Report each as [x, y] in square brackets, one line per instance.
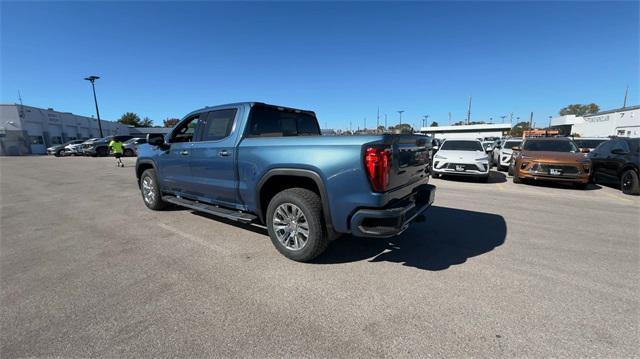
[211, 209]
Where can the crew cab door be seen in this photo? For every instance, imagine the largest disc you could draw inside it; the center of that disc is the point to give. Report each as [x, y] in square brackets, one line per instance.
[173, 163]
[213, 159]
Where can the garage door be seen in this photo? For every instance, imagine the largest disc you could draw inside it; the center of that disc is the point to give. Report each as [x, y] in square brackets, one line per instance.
[35, 139]
[55, 135]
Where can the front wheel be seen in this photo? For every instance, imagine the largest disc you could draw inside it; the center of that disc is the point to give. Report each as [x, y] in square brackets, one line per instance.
[128, 152]
[150, 190]
[294, 221]
[629, 183]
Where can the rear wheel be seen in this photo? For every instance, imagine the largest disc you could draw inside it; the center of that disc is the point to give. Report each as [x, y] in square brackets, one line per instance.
[150, 190]
[128, 152]
[102, 151]
[629, 183]
[294, 221]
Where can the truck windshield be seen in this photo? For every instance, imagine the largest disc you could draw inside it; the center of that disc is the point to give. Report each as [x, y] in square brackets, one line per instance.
[461, 146]
[267, 121]
[551, 146]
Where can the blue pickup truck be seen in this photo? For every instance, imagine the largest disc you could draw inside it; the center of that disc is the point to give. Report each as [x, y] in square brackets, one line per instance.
[253, 162]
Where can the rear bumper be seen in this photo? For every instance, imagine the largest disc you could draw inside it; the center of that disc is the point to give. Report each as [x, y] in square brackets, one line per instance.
[392, 221]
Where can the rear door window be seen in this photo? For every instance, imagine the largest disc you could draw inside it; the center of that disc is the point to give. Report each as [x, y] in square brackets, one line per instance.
[268, 121]
[217, 125]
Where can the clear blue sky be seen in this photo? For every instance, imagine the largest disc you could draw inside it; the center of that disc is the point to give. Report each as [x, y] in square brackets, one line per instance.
[342, 60]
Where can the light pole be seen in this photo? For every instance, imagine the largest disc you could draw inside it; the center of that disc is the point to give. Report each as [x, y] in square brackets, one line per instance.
[400, 112]
[93, 79]
[425, 120]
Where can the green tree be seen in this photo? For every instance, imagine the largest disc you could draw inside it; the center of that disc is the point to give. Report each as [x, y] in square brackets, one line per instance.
[170, 122]
[517, 130]
[579, 109]
[434, 124]
[146, 122]
[402, 128]
[130, 119]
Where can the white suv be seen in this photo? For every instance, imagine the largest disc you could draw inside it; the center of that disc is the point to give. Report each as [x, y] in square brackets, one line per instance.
[502, 153]
[461, 157]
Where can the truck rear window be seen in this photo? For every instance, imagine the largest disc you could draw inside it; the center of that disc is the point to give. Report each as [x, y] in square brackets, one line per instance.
[267, 121]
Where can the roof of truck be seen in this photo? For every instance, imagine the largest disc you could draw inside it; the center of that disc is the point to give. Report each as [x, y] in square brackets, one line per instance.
[246, 103]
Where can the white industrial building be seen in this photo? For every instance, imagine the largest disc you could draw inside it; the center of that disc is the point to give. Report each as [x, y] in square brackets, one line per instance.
[467, 131]
[618, 122]
[28, 130]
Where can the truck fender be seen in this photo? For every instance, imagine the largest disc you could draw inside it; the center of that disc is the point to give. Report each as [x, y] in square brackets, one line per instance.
[299, 173]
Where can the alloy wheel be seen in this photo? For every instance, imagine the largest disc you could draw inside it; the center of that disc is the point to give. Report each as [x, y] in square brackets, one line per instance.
[290, 226]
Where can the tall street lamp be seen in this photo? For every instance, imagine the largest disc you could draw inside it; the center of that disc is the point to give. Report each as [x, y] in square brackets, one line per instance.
[400, 112]
[93, 79]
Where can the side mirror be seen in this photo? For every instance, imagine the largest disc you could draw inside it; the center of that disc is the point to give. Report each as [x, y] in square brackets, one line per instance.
[155, 139]
[516, 148]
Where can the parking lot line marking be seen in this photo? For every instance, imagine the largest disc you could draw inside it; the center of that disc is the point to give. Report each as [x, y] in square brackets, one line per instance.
[618, 198]
[193, 238]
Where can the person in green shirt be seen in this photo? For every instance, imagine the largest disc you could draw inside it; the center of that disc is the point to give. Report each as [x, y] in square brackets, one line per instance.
[116, 148]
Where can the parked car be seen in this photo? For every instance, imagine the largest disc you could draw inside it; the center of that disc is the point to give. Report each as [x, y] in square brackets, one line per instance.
[462, 157]
[100, 147]
[589, 143]
[550, 159]
[58, 150]
[253, 162]
[503, 151]
[617, 162]
[131, 146]
[73, 149]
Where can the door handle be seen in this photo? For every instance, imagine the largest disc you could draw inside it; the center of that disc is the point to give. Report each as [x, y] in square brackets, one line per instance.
[223, 153]
[184, 152]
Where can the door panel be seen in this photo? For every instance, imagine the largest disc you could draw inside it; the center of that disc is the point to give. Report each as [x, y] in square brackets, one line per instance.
[174, 163]
[213, 159]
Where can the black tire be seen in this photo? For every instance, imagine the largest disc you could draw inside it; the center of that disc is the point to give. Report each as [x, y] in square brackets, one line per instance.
[156, 203]
[102, 151]
[629, 182]
[310, 205]
[59, 153]
[510, 171]
[516, 179]
[128, 152]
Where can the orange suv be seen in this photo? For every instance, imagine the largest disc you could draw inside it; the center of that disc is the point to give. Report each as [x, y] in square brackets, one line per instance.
[555, 159]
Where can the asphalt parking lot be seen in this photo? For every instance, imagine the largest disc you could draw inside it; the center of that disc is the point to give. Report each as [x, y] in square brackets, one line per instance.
[494, 269]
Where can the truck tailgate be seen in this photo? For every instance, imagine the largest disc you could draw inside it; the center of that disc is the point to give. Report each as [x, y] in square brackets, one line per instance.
[410, 159]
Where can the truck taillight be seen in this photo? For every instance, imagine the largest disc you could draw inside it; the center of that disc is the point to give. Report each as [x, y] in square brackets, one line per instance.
[377, 163]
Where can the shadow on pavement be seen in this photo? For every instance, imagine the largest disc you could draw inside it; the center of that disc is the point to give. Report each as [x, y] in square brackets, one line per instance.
[494, 177]
[446, 237]
[561, 185]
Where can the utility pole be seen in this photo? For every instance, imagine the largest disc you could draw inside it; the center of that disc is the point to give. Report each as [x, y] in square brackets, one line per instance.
[449, 117]
[626, 92]
[385, 122]
[469, 111]
[93, 79]
[550, 117]
[378, 120]
[425, 120]
[511, 118]
[531, 120]
[400, 112]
